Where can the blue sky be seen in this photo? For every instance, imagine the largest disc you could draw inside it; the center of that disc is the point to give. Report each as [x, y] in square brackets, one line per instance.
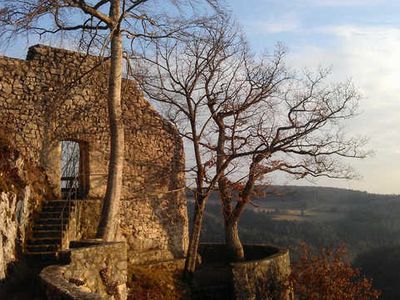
[359, 39]
[308, 22]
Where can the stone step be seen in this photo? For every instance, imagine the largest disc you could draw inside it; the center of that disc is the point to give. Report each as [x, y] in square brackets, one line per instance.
[37, 234]
[58, 202]
[58, 210]
[54, 214]
[55, 208]
[47, 256]
[51, 221]
[42, 248]
[45, 241]
[49, 227]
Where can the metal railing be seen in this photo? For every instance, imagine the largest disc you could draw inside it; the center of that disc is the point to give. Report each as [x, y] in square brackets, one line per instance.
[71, 192]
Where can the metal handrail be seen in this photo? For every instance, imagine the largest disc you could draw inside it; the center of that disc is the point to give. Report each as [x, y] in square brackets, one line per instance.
[71, 192]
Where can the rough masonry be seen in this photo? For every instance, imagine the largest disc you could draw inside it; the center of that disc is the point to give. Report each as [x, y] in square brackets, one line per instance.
[96, 270]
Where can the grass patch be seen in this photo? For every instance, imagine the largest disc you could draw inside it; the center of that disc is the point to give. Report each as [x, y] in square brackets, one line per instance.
[156, 283]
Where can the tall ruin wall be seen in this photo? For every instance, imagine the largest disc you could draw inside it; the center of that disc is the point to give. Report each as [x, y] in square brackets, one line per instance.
[57, 95]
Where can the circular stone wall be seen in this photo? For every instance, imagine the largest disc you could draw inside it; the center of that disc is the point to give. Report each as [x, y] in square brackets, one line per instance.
[262, 275]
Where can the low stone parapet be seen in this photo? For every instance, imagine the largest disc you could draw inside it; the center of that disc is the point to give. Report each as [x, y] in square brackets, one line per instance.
[262, 275]
[59, 288]
[96, 270]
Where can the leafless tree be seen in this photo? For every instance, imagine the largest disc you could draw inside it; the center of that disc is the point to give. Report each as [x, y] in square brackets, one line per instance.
[298, 133]
[108, 24]
[177, 81]
[247, 117]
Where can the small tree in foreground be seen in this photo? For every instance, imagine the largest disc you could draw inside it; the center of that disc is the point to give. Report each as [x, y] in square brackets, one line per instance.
[328, 275]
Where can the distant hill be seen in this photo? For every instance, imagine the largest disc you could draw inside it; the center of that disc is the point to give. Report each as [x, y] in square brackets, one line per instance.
[293, 193]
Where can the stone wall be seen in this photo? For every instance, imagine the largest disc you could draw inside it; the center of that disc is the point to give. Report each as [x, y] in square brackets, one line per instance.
[95, 270]
[83, 223]
[21, 187]
[87, 215]
[58, 95]
[264, 277]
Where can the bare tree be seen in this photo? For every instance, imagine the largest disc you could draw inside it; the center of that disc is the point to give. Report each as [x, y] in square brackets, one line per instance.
[246, 118]
[298, 133]
[183, 84]
[178, 83]
[105, 24]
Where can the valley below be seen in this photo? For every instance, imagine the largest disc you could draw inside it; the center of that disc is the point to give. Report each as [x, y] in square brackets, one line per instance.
[368, 225]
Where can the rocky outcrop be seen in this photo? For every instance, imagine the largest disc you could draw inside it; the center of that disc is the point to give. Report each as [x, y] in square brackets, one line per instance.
[12, 228]
[21, 189]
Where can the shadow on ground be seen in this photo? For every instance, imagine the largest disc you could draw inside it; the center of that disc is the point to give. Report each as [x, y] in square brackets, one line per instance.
[22, 282]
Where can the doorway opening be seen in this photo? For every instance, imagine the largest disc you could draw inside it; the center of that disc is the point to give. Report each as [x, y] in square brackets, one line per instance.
[74, 170]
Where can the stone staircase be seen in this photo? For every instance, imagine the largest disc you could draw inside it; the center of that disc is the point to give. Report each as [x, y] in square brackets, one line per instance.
[49, 228]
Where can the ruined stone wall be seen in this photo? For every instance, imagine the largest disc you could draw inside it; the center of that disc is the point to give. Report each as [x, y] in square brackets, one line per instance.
[59, 95]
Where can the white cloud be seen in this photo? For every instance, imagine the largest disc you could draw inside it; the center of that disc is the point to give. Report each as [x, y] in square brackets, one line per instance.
[284, 23]
[370, 56]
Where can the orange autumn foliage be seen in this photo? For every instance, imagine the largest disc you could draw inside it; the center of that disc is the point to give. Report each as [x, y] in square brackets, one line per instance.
[328, 275]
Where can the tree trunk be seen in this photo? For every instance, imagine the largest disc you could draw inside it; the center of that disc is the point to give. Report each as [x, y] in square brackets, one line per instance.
[109, 220]
[194, 241]
[233, 244]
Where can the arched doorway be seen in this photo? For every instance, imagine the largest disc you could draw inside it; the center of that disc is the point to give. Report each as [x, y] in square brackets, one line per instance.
[74, 170]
